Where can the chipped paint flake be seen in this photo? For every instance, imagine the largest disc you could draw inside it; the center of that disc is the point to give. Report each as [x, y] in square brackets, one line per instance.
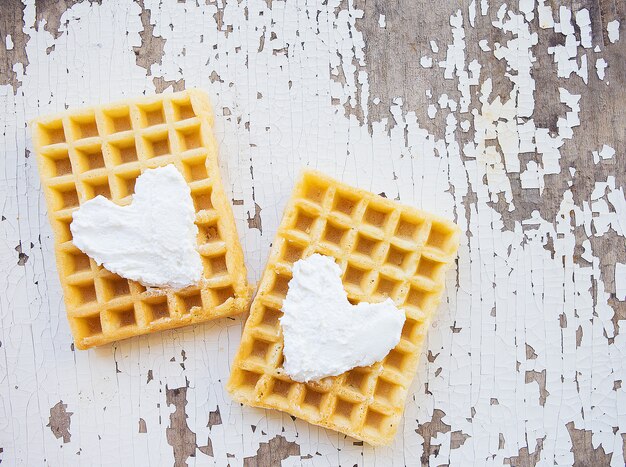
[607, 152]
[432, 110]
[583, 20]
[620, 281]
[600, 67]
[612, 29]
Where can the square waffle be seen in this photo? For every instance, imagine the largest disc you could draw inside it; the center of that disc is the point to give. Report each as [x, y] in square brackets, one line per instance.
[101, 151]
[384, 250]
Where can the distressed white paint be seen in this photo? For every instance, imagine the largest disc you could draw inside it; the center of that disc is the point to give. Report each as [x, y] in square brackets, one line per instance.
[432, 110]
[583, 20]
[620, 281]
[607, 152]
[546, 20]
[612, 29]
[426, 61]
[508, 291]
[600, 68]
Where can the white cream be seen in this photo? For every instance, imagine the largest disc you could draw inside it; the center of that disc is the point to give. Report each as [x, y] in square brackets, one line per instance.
[153, 240]
[324, 334]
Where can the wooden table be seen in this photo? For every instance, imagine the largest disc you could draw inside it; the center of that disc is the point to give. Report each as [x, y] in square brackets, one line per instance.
[525, 363]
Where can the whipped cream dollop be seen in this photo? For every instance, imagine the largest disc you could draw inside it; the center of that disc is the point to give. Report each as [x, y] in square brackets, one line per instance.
[152, 240]
[324, 334]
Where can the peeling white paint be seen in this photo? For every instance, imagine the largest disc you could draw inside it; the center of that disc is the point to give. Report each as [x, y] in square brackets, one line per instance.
[620, 281]
[600, 68]
[583, 20]
[480, 335]
[546, 20]
[612, 29]
[432, 110]
[607, 152]
[471, 11]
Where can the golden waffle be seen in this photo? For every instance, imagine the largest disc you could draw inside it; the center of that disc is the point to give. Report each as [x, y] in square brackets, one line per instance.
[101, 151]
[384, 250]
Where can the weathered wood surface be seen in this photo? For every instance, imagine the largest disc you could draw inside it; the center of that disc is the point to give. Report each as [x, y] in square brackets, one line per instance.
[526, 362]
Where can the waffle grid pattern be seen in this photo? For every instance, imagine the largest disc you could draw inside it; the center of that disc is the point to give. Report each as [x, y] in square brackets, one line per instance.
[384, 250]
[101, 151]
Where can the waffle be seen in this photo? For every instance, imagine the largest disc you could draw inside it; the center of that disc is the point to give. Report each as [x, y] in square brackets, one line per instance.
[384, 250]
[101, 151]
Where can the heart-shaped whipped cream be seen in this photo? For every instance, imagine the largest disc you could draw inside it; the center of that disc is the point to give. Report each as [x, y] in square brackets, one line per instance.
[152, 240]
[324, 334]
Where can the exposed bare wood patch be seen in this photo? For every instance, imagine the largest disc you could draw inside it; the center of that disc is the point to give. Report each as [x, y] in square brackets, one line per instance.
[60, 421]
[179, 435]
[12, 24]
[428, 431]
[161, 84]
[215, 418]
[525, 458]
[457, 439]
[207, 449]
[22, 257]
[530, 353]
[582, 447]
[620, 313]
[51, 11]
[151, 49]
